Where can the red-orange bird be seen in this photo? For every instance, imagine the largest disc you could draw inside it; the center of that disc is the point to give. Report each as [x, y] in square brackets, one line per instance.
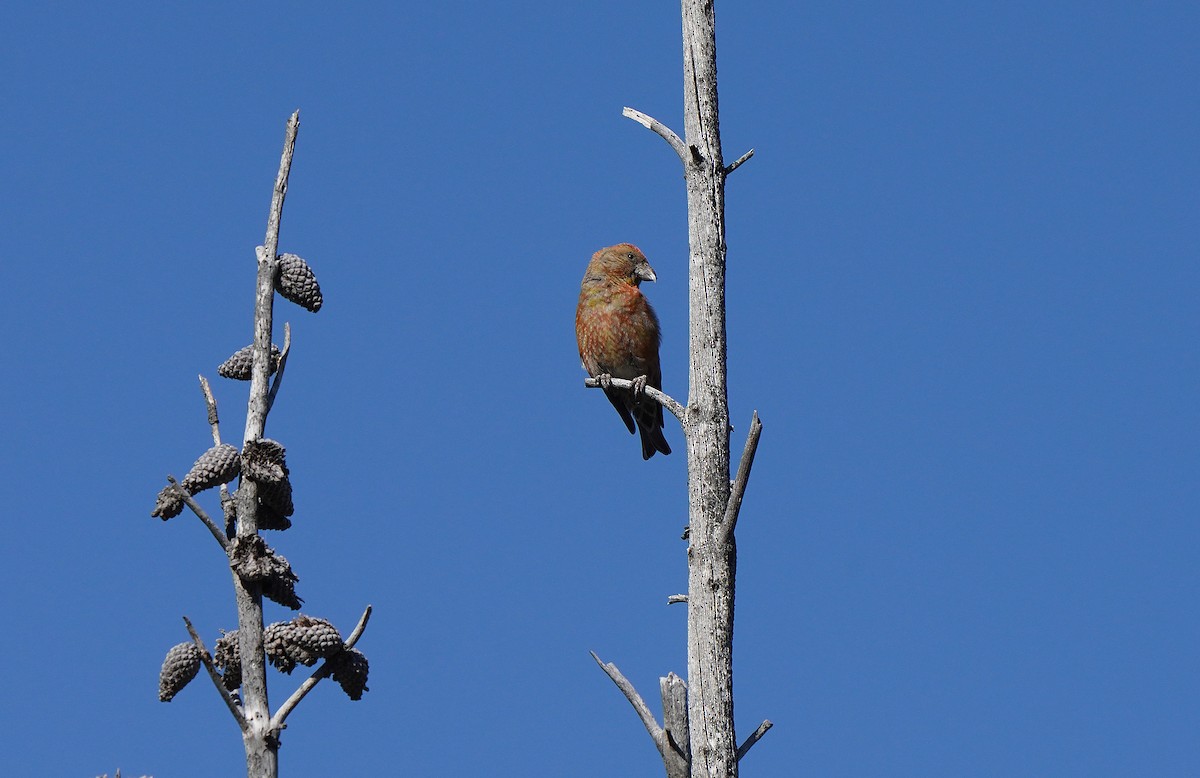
[619, 337]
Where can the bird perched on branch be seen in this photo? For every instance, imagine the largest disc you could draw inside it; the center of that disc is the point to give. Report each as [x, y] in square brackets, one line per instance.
[619, 337]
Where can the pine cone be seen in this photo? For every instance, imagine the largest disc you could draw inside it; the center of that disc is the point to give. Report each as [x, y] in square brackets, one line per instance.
[228, 656]
[317, 635]
[283, 590]
[297, 283]
[255, 562]
[350, 671]
[277, 497]
[277, 639]
[219, 465]
[264, 460]
[269, 517]
[239, 366]
[180, 666]
[169, 503]
[303, 640]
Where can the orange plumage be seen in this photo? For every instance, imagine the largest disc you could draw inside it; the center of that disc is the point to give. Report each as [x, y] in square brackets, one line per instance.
[619, 337]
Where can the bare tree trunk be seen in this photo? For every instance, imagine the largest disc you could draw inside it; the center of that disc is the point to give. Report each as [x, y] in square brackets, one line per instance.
[712, 559]
[706, 737]
[262, 747]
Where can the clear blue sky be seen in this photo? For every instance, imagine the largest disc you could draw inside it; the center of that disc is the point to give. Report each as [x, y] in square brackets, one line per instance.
[963, 283]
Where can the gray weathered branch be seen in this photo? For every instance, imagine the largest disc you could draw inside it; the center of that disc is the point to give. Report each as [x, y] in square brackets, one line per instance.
[657, 734]
[675, 725]
[210, 404]
[663, 131]
[754, 738]
[283, 355]
[285, 710]
[738, 489]
[201, 514]
[737, 163]
[660, 397]
[206, 658]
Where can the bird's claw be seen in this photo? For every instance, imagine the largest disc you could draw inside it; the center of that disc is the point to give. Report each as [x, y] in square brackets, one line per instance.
[639, 386]
[605, 381]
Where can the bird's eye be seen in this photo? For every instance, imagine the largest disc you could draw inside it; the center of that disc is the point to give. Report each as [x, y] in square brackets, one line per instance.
[630, 255]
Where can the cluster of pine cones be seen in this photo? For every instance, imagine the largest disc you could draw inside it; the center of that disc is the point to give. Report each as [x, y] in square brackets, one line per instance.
[302, 641]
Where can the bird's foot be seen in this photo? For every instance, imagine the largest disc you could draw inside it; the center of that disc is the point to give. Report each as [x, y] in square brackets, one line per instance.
[639, 387]
[605, 381]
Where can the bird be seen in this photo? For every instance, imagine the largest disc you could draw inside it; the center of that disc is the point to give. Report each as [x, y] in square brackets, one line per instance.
[619, 337]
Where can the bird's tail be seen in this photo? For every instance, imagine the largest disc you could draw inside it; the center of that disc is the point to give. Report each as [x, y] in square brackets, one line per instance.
[649, 417]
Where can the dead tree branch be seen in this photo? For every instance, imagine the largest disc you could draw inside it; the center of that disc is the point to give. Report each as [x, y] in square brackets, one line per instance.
[739, 161]
[201, 514]
[210, 403]
[754, 738]
[657, 733]
[663, 131]
[285, 710]
[206, 658]
[738, 489]
[283, 355]
[659, 396]
[675, 725]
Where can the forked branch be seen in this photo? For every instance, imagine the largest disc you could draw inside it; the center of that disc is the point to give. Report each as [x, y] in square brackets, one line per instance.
[643, 711]
[285, 710]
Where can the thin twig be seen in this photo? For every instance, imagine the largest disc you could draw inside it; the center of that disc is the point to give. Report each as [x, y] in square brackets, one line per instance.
[754, 738]
[206, 658]
[659, 396]
[738, 488]
[677, 598]
[663, 131]
[201, 514]
[271, 241]
[643, 711]
[283, 355]
[210, 402]
[285, 710]
[737, 163]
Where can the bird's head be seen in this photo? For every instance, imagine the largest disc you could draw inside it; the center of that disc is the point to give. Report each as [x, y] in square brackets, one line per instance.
[623, 261]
